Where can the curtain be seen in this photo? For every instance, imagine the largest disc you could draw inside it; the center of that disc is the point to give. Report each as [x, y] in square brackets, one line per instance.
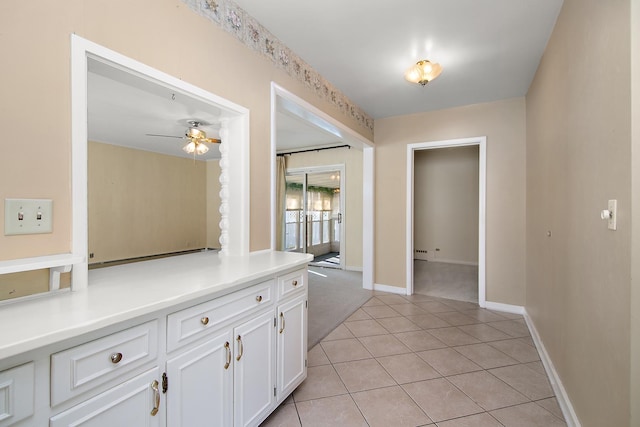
[281, 188]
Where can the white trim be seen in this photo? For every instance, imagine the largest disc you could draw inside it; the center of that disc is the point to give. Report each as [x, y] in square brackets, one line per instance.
[390, 289]
[274, 172]
[368, 211]
[481, 142]
[350, 137]
[38, 263]
[570, 416]
[452, 261]
[506, 308]
[236, 120]
[357, 269]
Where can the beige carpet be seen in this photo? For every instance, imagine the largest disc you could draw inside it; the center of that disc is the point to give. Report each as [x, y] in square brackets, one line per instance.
[333, 296]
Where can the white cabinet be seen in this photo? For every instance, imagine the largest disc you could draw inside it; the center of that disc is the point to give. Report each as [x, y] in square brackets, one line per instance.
[16, 394]
[227, 380]
[254, 385]
[292, 345]
[222, 361]
[237, 375]
[82, 368]
[133, 403]
[201, 391]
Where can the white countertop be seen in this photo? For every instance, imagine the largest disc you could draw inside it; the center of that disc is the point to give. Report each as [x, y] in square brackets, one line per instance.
[120, 293]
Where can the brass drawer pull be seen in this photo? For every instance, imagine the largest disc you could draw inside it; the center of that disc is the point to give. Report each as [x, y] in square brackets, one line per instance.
[116, 357]
[228, 348]
[204, 321]
[259, 298]
[156, 397]
[281, 322]
[240, 348]
[294, 283]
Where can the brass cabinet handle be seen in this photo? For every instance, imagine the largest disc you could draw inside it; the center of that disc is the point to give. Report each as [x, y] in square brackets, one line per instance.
[115, 357]
[294, 283]
[228, 348]
[156, 397]
[240, 348]
[259, 298]
[281, 322]
[204, 321]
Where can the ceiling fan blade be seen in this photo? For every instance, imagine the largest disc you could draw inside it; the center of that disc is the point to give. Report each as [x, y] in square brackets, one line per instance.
[211, 140]
[164, 136]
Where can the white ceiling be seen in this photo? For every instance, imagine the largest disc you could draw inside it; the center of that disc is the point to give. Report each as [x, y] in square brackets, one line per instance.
[489, 49]
[124, 109]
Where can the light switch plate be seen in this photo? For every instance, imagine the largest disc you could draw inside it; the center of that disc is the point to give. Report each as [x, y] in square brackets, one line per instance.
[28, 216]
[612, 206]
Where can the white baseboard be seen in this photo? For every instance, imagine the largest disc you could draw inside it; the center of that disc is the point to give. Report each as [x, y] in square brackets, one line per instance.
[354, 268]
[507, 308]
[389, 288]
[453, 261]
[569, 413]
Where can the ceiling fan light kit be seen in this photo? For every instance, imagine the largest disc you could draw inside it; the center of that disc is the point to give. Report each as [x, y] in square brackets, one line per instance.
[194, 146]
[195, 137]
[423, 72]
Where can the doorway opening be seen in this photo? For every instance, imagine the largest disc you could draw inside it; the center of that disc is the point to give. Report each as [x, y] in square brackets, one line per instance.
[446, 217]
[299, 127]
[314, 214]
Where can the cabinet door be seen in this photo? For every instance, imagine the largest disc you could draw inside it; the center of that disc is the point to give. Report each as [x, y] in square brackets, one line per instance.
[200, 384]
[292, 345]
[131, 403]
[254, 382]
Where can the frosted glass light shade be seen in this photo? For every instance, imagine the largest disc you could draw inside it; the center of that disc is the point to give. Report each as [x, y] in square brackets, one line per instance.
[422, 72]
[195, 147]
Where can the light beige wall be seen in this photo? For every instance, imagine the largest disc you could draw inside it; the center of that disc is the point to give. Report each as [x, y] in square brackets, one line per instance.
[352, 160]
[213, 204]
[578, 157]
[446, 203]
[635, 202]
[163, 34]
[503, 123]
[142, 203]
[15, 285]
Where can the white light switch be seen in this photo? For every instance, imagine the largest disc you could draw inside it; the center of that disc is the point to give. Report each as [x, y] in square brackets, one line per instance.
[613, 208]
[28, 216]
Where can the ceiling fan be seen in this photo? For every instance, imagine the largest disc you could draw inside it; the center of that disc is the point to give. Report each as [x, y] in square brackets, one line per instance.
[195, 137]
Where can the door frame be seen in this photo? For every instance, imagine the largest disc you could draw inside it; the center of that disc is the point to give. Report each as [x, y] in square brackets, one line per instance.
[353, 139]
[481, 142]
[323, 169]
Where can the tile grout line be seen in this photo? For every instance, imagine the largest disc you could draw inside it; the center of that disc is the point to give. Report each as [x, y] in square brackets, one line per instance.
[448, 346]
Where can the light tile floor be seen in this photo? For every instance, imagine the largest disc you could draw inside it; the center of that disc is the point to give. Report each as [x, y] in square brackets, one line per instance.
[423, 361]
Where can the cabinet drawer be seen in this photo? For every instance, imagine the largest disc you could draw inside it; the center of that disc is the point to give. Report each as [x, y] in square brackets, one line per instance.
[81, 368]
[188, 325]
[292, 282]
[16, 394]
[128, 404]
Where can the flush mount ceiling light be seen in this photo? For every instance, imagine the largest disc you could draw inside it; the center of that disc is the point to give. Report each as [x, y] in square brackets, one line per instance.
[423, 72]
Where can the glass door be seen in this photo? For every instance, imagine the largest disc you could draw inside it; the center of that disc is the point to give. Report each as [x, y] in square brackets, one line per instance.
[313, 217]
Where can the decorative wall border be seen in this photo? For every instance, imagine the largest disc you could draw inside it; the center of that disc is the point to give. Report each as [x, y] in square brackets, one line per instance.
[234, 20]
